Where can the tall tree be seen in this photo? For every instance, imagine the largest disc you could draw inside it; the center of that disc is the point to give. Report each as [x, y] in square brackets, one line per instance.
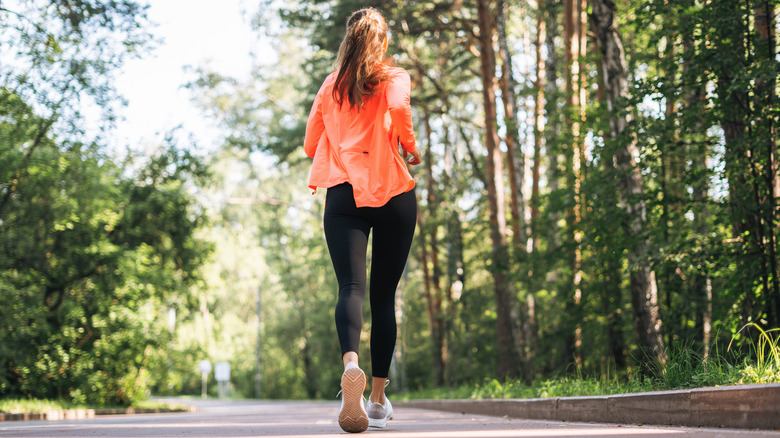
[693, 134]
[573, 42]
[514, 151]
[530, 331]
[516, 164]
[508, 362]
[644, 292]
[430, 259]
[607, 251]
[553, 128]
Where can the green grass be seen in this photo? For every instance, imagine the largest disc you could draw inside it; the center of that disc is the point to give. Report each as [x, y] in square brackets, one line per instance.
[151, 404]
[684, 369]
[766, 367]
[687, 369]
[17, 406]
[556, 387]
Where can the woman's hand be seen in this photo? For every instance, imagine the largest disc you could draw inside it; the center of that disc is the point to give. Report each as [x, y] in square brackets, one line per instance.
[416, 158]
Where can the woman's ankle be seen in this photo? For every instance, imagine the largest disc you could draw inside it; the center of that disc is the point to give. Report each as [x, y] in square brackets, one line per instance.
[349, 356]
[378, 390]
[377, 398]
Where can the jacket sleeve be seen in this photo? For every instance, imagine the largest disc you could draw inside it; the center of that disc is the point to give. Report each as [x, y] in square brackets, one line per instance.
[400, 109]
[314, 127]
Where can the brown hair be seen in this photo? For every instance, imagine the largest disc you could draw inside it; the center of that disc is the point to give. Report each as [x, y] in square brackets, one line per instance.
[359, 62]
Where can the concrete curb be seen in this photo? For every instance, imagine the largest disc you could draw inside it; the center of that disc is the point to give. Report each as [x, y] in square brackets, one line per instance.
[739, 407]
[82, 414]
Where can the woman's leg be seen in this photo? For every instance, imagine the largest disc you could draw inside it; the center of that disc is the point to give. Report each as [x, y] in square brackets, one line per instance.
[347, 238]
[394, 226]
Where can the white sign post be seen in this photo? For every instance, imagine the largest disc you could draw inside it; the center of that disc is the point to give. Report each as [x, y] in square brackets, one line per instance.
[205, 369]
[222, 374]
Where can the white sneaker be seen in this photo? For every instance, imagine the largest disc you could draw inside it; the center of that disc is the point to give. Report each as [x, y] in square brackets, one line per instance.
[378, 414]
[352, 415]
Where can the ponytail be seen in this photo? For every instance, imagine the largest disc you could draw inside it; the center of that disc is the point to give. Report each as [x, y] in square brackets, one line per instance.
[359, 62]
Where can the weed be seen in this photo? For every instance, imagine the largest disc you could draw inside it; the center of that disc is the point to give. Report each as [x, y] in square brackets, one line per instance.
[766, 368]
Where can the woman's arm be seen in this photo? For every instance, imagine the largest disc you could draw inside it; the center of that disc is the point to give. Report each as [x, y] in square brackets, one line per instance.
[400, 109]
[314, 127]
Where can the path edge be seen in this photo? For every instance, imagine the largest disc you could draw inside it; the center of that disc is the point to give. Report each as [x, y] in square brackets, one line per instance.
[83, 414]
[736, 407]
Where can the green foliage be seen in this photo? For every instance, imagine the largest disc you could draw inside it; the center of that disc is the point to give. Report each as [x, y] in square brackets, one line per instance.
[93, 251]
[65, 55]
[687, 165]
[85, 276]
[765, 354]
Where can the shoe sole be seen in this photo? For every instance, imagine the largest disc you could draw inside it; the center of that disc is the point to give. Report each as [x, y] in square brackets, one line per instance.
[377, 422]
[353, 417]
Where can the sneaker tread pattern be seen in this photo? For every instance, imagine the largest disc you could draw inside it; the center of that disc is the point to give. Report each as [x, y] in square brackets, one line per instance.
[353, 417]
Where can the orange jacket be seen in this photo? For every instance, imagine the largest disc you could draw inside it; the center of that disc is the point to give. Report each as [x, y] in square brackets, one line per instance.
[360, 147]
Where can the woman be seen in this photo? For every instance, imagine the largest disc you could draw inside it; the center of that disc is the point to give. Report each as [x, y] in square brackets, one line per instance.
[359, 117]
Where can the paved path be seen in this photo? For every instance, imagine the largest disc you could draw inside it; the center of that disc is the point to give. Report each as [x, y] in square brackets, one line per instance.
[294, 419]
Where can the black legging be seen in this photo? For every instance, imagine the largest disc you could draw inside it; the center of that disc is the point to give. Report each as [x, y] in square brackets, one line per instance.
[346, 231]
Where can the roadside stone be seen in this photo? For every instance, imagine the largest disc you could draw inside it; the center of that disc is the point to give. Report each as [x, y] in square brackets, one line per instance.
[739, 406]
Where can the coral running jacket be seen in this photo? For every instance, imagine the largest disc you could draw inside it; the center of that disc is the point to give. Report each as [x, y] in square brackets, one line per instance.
[360, 147]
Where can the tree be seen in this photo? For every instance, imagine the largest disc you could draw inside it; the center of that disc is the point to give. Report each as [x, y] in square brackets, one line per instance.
[574, 43]
[644, 292]
[514, 152]
[508, 365]
[429, 258]
[91, 250]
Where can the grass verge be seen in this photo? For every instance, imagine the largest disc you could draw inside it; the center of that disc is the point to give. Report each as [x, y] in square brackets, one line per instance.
[34, 406]
[685, 369]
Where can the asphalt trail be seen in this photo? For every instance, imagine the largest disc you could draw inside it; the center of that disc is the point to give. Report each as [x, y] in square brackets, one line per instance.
[300, 419]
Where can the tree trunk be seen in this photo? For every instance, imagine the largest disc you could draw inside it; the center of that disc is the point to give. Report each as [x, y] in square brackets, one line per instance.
[543, 272]
[507, 356]
[454, 248]
[552, 130]
[538, 129]
[644, 293]
[670, 183]
[516, 165]
[611, 260]
[697, 152]
[572, 29]
[530, 329]
[514, 153]
[612, 300]
[430, 275]
[435, 272]
[430, 307]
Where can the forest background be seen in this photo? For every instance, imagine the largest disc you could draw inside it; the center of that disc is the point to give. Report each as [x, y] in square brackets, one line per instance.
[599, 192]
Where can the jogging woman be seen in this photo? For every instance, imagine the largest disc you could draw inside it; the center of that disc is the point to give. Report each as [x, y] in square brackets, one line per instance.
[360, 116]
